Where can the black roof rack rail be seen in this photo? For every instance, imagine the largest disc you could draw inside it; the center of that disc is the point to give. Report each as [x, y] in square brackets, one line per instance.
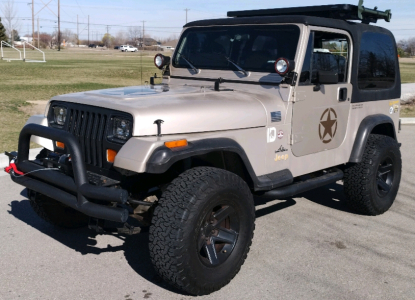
[335, 11]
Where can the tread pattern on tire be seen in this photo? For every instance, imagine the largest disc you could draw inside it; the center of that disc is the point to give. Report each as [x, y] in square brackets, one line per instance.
[357, 185]
[169, 219]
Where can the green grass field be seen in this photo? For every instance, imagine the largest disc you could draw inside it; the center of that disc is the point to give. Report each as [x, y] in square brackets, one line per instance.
[407, 71]
[77, 70]
[64, 72]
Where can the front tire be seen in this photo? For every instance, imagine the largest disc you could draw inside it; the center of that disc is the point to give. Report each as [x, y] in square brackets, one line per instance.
[371, 186]
[202, 229]
[56, 213]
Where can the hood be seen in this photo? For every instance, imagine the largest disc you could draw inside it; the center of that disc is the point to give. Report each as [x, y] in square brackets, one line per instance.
[184, 109]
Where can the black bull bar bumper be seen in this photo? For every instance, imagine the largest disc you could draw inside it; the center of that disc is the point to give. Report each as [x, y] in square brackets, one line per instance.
[73, 192]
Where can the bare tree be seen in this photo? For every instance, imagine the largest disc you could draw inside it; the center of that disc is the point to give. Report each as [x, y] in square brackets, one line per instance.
[10, 21]
[120, 38]
[411, 45]
[135, 34]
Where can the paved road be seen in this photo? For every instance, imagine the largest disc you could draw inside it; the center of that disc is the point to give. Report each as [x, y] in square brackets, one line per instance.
[308, 247]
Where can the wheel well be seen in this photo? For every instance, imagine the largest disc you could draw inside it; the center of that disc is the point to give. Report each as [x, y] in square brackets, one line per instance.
[226, 160]
[384, 129]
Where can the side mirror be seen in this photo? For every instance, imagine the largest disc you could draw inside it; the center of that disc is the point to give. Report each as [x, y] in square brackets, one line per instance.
[326, 77]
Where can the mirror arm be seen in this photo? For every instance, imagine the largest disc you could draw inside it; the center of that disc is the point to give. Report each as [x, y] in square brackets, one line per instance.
[317, 87]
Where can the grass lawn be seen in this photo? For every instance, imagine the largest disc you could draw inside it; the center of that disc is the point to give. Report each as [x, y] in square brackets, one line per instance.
[68, 71]
[76, 70]
[407, 70]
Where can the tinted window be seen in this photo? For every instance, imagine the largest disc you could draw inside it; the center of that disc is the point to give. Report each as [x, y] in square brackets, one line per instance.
[253, 48]
[326, 51]
[376, 61]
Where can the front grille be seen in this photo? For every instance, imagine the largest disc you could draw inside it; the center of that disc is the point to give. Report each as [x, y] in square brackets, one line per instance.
[90, 128]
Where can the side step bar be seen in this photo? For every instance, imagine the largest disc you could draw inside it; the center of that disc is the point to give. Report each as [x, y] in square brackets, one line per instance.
[303, 186]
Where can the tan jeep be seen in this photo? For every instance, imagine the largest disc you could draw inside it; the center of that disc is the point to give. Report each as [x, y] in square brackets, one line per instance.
[269, 102]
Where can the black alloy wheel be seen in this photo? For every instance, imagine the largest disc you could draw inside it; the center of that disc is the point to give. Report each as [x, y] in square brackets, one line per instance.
[218, 235]
[385, 176]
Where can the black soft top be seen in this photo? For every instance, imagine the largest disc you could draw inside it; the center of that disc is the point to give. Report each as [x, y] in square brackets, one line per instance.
[355, 30]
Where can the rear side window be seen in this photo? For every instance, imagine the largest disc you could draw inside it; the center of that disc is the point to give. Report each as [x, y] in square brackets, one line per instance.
[376, 62]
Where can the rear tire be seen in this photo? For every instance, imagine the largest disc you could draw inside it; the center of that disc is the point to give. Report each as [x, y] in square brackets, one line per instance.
[202, 229]
[56, 213]
[371, 186]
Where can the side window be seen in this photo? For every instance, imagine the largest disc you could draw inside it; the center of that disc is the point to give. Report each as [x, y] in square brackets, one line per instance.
[326, 51]
[376, 61]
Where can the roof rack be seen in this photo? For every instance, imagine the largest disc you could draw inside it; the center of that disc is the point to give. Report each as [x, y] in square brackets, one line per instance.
[336, 11]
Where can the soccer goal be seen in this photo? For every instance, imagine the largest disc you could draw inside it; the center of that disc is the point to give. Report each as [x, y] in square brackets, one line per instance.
[9, 52]
[36, 55]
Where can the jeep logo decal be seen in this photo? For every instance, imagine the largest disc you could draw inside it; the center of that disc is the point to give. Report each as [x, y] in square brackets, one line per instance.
[328, 125]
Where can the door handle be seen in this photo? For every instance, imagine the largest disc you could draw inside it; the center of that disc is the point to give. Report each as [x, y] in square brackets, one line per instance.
[342, 94]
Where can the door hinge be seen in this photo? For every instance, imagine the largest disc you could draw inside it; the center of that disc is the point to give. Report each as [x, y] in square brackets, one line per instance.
[291, 139]
[299, 96]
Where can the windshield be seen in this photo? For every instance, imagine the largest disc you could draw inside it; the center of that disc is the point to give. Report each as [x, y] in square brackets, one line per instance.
[252, 48]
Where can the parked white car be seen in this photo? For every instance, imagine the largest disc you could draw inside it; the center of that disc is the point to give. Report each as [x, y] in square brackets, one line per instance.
[128, 48]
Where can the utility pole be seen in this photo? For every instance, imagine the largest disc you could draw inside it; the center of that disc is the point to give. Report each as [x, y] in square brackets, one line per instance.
[59, 25]
[143, 35]
[187, 9]
[88, 30]
[38, 32]
[107, 40]
[77, 30]
[33, 20]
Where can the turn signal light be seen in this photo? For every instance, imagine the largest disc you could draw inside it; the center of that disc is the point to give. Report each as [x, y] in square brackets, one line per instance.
[60, 145]
[175, 144]
[111, 155]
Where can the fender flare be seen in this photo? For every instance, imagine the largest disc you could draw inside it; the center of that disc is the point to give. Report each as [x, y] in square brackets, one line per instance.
[163, 158]
[362, 135]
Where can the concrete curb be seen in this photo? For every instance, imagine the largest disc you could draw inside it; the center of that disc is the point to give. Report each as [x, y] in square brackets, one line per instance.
[4, 160]
[405, 121]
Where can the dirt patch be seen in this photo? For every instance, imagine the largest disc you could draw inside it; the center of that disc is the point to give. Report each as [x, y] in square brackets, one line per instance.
[34, 107]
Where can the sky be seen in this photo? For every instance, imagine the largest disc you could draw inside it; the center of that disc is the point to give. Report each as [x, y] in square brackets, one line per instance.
[164, 18]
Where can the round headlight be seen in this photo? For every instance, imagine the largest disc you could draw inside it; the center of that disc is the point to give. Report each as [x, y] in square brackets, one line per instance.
[59, 114]
[158, 60]
[282, 66]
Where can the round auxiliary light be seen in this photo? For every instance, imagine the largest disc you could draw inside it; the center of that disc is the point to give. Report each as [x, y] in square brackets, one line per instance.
[282, 66]
[159, 60]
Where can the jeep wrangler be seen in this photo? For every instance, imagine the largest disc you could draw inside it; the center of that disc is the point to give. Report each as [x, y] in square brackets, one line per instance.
[266, 103]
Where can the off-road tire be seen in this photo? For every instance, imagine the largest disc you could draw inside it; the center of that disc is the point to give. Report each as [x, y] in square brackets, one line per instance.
[361, 181]
[56, 213]
[178, 223]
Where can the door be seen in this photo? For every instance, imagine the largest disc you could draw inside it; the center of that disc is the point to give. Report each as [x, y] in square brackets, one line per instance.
[322, 97]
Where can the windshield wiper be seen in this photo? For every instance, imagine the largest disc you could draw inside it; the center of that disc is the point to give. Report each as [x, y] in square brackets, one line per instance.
[191, 66]
[238, 67]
